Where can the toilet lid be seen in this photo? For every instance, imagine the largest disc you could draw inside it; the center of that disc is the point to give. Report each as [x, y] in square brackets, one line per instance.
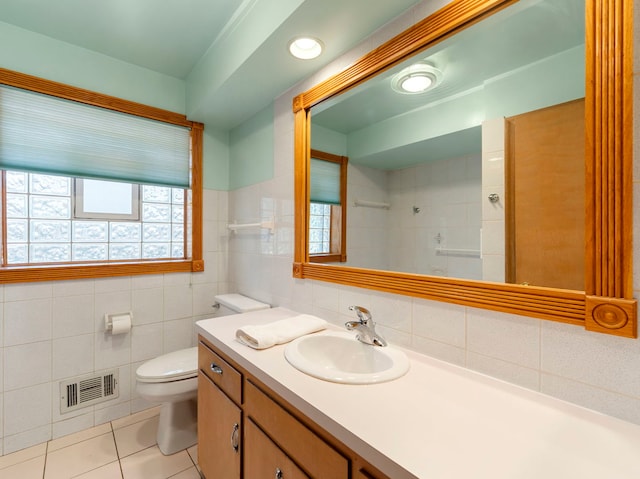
[239, 303]
[182, 364]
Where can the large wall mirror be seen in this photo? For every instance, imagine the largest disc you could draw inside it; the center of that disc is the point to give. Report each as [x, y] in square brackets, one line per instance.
[489, 161]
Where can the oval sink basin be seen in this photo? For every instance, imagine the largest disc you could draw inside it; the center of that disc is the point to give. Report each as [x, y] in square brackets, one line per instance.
[339, 357]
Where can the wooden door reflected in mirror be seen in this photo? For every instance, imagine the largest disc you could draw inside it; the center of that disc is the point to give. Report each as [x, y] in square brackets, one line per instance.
[545, 197]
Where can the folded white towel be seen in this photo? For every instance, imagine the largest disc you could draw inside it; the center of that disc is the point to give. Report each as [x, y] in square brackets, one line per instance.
[278, 332]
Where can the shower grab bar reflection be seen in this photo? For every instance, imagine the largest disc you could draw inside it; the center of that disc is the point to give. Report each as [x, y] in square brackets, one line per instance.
[372, 204]
[269, 225]
[471, 253]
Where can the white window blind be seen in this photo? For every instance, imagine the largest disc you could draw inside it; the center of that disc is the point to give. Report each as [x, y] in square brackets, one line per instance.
[44, 134]
[325, 182]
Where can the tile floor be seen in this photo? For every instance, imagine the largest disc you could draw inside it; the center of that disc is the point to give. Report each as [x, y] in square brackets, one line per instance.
[122, 449]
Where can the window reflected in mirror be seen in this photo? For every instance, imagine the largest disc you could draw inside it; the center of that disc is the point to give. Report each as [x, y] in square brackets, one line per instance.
[327, 207]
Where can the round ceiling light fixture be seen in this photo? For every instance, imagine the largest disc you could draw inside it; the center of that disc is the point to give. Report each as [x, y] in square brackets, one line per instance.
[417, 78]
[305, 48]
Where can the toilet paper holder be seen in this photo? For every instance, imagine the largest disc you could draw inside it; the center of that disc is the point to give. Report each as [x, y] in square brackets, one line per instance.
[118, 323]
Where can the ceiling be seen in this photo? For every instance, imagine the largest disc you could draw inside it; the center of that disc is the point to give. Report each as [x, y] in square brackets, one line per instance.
[231, 53]
[500, 45]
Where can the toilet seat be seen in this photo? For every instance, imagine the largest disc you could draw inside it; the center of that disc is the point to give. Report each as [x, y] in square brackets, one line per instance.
[175, 366]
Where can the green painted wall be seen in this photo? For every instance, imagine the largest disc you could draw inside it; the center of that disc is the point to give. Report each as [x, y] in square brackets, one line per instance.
[556, 79]
[251, 150]
[328, 141]
[216, 160]
[34, 54]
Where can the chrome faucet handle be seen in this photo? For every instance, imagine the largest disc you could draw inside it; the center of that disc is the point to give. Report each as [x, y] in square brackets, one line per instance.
[363, 313]
[365, 326]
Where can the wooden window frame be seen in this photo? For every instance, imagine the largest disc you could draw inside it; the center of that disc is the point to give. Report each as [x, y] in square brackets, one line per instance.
[338, 240]
[66, 271]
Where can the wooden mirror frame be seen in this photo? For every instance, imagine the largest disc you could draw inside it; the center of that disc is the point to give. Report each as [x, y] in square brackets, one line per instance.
[607, 304]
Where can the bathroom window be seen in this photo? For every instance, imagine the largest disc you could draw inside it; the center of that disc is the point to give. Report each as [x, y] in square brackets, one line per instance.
[110, 200]
[57, 219]
[327, 208]
[95, 187]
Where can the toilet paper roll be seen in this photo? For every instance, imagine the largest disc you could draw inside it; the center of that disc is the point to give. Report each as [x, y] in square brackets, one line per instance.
[120, 323]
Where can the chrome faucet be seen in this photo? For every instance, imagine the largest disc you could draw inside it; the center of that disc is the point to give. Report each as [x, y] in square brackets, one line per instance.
[365, 326]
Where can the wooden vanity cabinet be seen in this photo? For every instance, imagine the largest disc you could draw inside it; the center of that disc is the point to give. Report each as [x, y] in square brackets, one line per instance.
[247, 431]
[219, 434]
[364, 474]
[219, 431]
[263, 459]
[298, 441]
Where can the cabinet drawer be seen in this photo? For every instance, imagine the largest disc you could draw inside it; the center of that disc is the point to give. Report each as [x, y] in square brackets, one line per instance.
[220, 372]
[297, 441]
[263, 459]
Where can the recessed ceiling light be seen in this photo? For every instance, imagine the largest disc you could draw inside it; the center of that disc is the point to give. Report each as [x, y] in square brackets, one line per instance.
[417, 78]
[305, 48]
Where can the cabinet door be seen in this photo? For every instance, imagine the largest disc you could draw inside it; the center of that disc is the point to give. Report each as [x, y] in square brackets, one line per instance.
[299, 442]
[362, 474]
[219, 427]
[264, 460]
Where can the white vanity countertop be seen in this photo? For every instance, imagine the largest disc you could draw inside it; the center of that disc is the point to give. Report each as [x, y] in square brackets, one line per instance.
[441, 421]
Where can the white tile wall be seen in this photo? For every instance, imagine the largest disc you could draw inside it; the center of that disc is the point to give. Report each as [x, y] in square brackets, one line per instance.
[27, 321]
[55, 330]
[439, 322]
[27, 365]
[486, 331]
[73, 315]
[447, 192]
[367, 239]
[72, 356]
[593, 370]
[493, 219]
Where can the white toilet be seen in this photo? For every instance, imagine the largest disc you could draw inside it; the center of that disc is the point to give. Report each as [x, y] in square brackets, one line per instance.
[172, 379]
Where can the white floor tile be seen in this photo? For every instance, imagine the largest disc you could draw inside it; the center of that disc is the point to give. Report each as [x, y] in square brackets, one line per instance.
[110, 471]
[136, 437]
[92, 454]
[134, 418]
[81, 457]
[191, 473]
[77, 437]
[23, 455]
[193, 452]
[31, 469]
[152, 464]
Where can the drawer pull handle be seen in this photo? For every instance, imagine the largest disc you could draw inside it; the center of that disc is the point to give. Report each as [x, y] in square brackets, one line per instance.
[216, 369]
[234, 437]
[279, 474]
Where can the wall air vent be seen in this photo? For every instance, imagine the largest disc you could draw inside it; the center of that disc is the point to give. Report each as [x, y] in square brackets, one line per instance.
[80, 392]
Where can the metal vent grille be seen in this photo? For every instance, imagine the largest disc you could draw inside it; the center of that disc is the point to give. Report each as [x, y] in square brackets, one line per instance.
[85, 391]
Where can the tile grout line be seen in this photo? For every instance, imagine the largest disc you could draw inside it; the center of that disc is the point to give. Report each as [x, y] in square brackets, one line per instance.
[46, 456]
[115, 443]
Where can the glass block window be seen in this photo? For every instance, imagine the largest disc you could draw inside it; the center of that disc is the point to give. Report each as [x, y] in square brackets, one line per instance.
[320, 228]
[47, 224]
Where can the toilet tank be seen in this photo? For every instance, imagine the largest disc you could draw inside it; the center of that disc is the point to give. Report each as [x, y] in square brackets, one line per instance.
[235, 303]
